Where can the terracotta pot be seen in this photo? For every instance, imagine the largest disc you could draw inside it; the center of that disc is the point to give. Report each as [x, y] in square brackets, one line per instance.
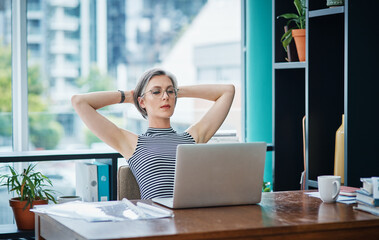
[299, 36]
[24, 218]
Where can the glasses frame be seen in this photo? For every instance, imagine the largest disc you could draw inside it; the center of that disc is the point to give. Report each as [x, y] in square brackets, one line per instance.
[162, 93]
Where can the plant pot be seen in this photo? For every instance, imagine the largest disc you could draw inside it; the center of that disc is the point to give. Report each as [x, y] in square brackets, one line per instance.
[299, 36]
[24, 218]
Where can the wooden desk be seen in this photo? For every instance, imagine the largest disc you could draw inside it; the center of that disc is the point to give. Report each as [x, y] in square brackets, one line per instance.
[280, 215]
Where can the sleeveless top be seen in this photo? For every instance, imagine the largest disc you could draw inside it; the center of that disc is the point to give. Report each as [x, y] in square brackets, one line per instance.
[153, 162]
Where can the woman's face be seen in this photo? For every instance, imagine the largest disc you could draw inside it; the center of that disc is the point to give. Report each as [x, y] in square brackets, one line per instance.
[158, 99]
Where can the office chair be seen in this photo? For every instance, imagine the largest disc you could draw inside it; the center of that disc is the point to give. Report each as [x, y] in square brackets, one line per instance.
[127, 186]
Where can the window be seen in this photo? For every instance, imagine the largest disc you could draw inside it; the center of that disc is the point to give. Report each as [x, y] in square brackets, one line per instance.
[80, 46]
[5, 77]
[199, 41]
[6, 215]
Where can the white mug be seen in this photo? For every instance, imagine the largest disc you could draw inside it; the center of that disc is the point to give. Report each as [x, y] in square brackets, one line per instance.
[329, 187]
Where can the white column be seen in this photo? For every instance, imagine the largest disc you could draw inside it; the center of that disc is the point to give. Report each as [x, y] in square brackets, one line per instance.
[19, 77]
[84, 37]
[101, 35]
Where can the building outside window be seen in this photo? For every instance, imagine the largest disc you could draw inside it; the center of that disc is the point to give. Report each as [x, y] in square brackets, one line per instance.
[80, 46]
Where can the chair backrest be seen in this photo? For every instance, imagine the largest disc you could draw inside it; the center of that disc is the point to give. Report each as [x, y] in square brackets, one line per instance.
[127, 186]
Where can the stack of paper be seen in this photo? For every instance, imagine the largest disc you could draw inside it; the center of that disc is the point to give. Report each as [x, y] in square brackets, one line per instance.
[348, 191]
[368, 195]
[340, 199]
[104, 211]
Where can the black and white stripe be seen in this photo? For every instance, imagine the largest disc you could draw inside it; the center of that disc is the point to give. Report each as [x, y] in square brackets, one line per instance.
[153, 162]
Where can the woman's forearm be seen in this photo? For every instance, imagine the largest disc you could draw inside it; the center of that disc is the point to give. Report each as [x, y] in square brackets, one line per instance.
[99, 100]
[222, 95]
[86, 106]
[210, 92]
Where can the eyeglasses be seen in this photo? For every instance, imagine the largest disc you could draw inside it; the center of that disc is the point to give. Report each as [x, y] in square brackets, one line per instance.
[158, 92]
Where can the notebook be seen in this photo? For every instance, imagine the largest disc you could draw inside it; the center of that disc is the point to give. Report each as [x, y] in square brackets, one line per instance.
[222, 174]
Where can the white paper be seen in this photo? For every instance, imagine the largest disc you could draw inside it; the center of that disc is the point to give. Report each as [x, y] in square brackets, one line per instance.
[375, 187]
[340, 199]
[102, 211]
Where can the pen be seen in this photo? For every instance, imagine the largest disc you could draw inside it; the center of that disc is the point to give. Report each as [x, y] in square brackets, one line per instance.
[134, 208]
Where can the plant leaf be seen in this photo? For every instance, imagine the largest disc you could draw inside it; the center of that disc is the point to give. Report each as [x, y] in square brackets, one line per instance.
[298, 6]
[287, 38]
[286, 34]
[289, 16]
[286, 42]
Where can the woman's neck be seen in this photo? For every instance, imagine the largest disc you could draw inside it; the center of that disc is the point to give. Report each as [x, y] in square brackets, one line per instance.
[159, 123]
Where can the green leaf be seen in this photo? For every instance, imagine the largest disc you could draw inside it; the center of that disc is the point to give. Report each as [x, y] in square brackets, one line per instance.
[286, 42]
[288, 16]
[286, 35]
[31, 187]
[298, 6]
[286, 38]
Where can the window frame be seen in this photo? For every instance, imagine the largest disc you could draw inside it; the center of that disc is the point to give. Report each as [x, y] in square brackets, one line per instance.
[20, 122]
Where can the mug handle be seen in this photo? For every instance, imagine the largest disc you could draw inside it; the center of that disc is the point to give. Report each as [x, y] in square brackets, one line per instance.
[338, 185]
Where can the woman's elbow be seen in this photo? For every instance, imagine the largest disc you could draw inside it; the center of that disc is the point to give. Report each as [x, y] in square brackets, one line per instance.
[230, 88]
[75, 100]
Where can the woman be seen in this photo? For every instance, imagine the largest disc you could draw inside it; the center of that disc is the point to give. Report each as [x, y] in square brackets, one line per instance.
[151, 156]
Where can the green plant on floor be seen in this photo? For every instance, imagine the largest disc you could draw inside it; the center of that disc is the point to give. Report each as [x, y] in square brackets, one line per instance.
[295, 21]
[29, 185]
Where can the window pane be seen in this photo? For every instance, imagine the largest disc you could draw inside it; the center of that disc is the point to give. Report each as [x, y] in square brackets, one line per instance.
[81, 46]
[6, 214]
[5, 77]
[209, 52]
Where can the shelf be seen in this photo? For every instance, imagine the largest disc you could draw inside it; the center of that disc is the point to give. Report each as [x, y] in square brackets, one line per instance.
[326, 86]
[56, 155]
[326, 12]
[290, 65]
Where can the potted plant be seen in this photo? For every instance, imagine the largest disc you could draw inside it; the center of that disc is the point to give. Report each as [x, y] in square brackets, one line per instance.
[32, 188]
[296, 30]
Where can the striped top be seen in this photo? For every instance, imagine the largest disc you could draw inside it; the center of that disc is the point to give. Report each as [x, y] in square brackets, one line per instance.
[153, 162]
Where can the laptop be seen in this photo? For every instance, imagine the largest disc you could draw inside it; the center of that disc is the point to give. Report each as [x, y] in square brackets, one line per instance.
[221, 174]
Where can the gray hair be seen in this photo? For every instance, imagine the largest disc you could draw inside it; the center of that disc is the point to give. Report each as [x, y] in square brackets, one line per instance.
[144, 80]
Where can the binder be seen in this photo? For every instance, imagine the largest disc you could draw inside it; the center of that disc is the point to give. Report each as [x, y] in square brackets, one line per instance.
[86, 181]
[103, 181]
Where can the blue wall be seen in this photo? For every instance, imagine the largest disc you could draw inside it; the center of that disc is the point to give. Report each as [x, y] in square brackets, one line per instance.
[259, 75]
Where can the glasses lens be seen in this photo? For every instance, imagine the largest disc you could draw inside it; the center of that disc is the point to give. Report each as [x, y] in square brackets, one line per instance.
[171, 92]
[158, 92]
